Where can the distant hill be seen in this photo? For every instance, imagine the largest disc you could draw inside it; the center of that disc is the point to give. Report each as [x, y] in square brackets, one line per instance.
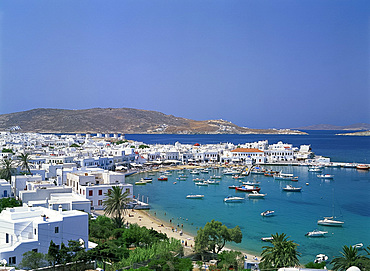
[119, 120]
[363, 133]
[353, 127]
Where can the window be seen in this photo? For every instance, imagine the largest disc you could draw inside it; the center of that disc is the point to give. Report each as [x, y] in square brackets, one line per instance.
[12, 260]
[90, 193]
[127, 190]
[109, 191]
[100, 192]
[7, 238]
[35, 231]
[100, 202]
[56, 229]
[34, 250]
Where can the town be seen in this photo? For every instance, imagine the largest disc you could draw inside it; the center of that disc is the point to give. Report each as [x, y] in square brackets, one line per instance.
[67, 174]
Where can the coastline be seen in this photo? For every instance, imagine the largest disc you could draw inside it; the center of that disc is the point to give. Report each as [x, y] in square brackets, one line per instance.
[144, 219]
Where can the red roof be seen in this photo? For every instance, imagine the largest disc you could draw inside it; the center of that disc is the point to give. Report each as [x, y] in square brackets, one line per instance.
[246, 150]
[196, 144]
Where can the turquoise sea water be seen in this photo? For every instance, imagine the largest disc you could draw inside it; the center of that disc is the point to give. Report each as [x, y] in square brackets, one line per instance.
[347, 196]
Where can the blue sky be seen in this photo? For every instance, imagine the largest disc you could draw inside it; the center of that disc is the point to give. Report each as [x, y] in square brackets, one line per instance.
[259, 64]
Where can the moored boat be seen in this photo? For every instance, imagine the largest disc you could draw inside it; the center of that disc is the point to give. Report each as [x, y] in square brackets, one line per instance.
[290, 188]
[233, 199]
[248, 188]
[358, 246]
[325, 176]
[316, 233]
[162, 178]
[267, 239]
[321, 258]
[195, 196]
[256, 195]
[215, 177]
[363, 167]
[329, 221]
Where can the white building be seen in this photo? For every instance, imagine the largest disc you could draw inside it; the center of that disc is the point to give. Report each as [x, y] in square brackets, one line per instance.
[19, 182]
[32, 228]
[248, 156]
[94, 185]
[5, 189]
[279, 152]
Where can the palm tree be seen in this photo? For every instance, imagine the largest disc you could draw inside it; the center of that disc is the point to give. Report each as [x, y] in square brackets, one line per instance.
[7, 169]
[115, 204]
[25, 160]
[350, 258]
[283, 253]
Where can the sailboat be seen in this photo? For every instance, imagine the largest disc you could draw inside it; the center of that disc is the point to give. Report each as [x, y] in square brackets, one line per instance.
[330, 221]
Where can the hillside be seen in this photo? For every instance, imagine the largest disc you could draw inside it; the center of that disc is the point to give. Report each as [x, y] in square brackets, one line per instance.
[119, 120]
[357, 126]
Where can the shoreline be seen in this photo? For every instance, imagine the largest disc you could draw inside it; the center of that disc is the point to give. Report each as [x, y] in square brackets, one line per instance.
[144, 219]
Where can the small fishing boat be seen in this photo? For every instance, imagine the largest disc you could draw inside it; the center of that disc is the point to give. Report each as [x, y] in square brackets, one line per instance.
[321, 258]
[267, 239]
[233, 186]
[194, 172]
[201, 184]
[325, 176]
[162, 178]
[283, 176]
[363, 167]
[233, 199]
[290, 188]
[251, 183]
[212, 182]
[238, 177]
[329, 221]
[268, 213]
[248, 188]
[198, 180]
[141, 182]
[315, 169]
[316, 233]
[195, 196]
[358, 246]
[256, 195]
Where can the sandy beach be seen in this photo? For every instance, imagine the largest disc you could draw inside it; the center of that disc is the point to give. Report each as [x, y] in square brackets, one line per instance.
[142, 218]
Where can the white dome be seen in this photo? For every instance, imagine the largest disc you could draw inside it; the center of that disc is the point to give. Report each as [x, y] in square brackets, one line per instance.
[353, 268]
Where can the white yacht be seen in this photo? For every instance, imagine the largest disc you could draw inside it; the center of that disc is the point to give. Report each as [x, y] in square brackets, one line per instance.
[316, 233]
[329, 221]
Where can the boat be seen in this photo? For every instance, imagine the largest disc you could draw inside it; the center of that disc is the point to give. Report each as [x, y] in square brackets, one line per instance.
[321, 258]
[141, 182]
[358, 246]
[233, 199]
[212, 182]
[290, 188]
[315, 169]
[198, 180]
[285, 177]
[257, 172]
[251, 183]
[256, 195]
[268, 213]
[215, 177]
[329, 221]
[162, 178]
[195, 196]
[230, 172]
[194, 172]
[363, 167]
[238, 177]
[248, 188]
[316, 233]
[233, 186]
[267, 239]
[325, 176]
[201, 183]
[269, 174]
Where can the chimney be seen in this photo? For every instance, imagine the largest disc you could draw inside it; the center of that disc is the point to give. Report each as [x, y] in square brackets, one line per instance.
[60, 209]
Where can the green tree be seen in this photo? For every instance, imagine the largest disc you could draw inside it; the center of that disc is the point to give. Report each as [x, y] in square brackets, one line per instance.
[231, 259]
[350, 257]
[76, 252]
[214, 237]
[101, 228]
[33, 260]
[25, 160]
[115, 204]
[53, 254]
[8, 203]
[7, 169]
[74, 145]
[283, 253]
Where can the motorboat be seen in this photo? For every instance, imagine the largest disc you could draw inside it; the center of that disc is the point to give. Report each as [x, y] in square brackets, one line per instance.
[290, 188]
[329, 221]
[233, 186]
[257, 172]
[141, 182]
[325, 176]
[363, 167]
[248, 188]
[194, 172]
[201, 183]
[267, 239]
[316, 233]
[238, 177]
[198, 180]
[251, 183]
[256, 195]
[212, 182]
[233, 199]
[230, 172]
[268, 213]
[358, 246]
[315, 169]
[321, 258]
[195, 196]
[162, 178]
